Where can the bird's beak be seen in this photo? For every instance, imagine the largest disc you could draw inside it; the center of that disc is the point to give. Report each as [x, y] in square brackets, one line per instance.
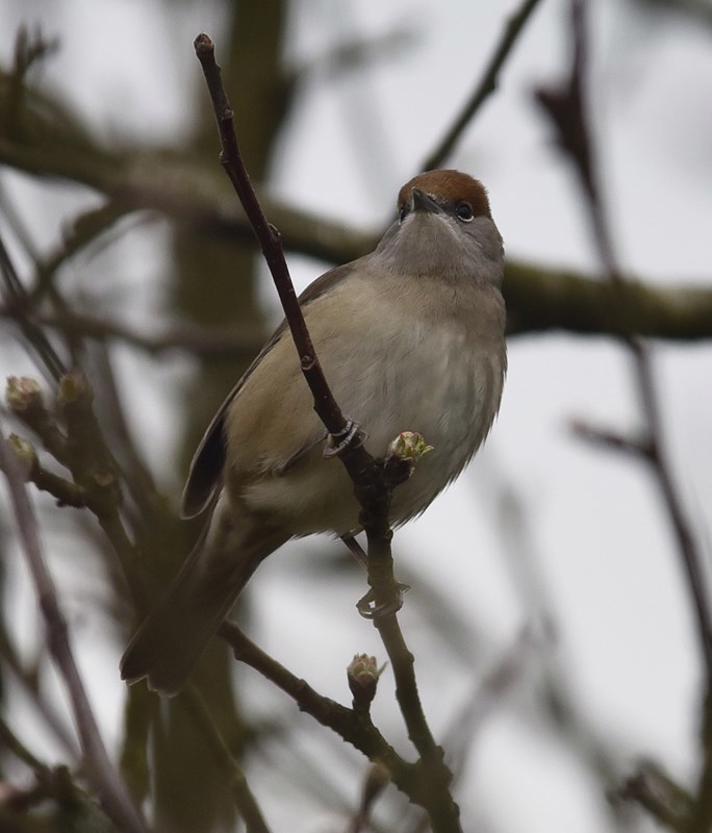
[422, 202]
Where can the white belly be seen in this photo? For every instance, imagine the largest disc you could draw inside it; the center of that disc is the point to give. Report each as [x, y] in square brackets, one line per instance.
[437, 385]
[448, 390]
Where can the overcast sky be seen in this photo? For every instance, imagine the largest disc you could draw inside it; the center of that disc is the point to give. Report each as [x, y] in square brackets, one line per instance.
[597, 534]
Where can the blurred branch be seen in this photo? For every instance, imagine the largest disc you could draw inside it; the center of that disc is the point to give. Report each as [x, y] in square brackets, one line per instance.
[15, 295]
[538, 298]
[613, 440]
[111, 790]
[28, 684]
[135, 178]
[353, 55]
[376, 779]
[10, 741]
[185, 337]
[656, 792]
[485, 86]
[29, 50]
[82, 231]
[567, 107]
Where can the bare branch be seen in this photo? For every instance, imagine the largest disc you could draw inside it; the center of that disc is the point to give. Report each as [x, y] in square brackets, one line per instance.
[538, 298]
[485, 86]
[112, 792]
[567, 106]
[655, 791]
[372, 485]
[354, 727]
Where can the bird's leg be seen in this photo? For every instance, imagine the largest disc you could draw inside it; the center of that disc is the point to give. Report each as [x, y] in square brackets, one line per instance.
[366, 605]
[356, 550]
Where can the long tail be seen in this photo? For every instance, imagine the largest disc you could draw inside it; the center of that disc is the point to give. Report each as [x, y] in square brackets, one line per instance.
[172, 638]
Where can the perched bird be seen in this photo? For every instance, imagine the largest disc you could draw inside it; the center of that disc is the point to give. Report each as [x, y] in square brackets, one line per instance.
[410, 337]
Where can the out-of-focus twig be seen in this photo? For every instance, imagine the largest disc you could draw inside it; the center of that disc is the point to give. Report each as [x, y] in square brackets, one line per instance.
[12, 742]
[659, 795]
[15, 294]
[567, 108]
[110, 788]
[486, 85]
[376, 779]
[82, 231]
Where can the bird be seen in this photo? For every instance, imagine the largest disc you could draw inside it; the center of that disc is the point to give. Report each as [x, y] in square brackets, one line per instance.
[411, 337]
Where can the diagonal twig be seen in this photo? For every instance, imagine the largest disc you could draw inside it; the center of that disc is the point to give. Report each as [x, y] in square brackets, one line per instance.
[371, 482]
[485, 86]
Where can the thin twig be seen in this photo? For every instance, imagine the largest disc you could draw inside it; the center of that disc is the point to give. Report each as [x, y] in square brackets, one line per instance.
[567, 108]
[10, 741]
[376, 779]
[485, 87]
[15, 294]
[355, 728]
[111, 790]
[370, 479]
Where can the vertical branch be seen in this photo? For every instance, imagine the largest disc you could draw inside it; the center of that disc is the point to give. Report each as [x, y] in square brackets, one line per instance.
[372, 483]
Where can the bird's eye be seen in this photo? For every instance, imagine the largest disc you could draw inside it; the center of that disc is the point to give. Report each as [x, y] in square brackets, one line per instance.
[403, 212]
[464, 212]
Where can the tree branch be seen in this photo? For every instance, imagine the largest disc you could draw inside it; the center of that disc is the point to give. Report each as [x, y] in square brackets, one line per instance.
[539, 298]
[354, 727]
[567, 107]
[110, 789]
[371, 481]
[484, 88]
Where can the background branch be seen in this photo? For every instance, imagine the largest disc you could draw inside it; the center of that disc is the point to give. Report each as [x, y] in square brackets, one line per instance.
[110, 789]
[539, 298]
[485, 86]
[567, 106]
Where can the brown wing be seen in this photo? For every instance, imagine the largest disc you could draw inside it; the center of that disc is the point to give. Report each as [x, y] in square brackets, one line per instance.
[205, 472]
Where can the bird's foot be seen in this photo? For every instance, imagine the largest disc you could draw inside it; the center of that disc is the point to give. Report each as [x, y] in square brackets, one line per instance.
[370, 608]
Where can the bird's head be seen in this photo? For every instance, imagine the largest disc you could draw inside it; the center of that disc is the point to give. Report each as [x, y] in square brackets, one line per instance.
[444, 228]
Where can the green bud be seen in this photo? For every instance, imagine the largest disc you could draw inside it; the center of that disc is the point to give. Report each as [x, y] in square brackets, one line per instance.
[22, 394]
[363, 674]
[72, 387]
[24, 452]
[409, 446]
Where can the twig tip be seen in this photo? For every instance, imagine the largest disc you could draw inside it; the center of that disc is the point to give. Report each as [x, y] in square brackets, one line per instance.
[203, 45]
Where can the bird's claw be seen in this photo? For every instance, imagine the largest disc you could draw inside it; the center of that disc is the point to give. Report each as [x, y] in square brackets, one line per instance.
[369, 608]
[336, 443]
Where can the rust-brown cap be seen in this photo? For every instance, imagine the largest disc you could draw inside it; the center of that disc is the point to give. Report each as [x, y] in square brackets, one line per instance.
[448, 186]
